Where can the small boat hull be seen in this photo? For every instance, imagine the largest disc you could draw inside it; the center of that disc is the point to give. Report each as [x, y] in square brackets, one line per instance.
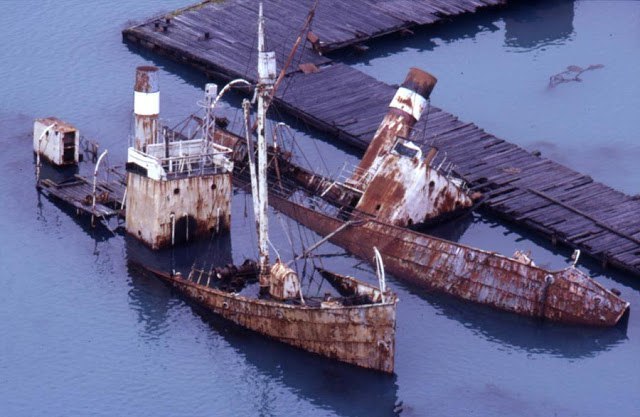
[362, 335]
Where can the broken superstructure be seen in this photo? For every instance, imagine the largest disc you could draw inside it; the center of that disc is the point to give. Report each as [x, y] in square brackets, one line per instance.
[396, 188]
[177, 189]
[56, 141]
[356, 325]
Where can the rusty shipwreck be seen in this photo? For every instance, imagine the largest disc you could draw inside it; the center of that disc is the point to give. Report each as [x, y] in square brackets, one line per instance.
[395, 191]
[356, 325]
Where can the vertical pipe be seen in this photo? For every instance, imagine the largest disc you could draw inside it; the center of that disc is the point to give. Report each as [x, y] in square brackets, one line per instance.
[146, 107]
[210, 94]
[172, 216]
[95, 184]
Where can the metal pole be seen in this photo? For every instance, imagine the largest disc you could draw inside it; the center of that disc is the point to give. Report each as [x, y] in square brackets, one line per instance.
[380, 272]
[246, 105]
[265, 85]
[95, 183]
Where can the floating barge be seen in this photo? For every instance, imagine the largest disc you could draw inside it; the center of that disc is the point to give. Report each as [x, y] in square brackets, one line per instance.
[537, 193]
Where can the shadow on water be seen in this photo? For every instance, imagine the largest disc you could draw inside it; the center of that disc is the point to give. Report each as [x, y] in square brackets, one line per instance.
[534, 24]
[529, 24]
[215, 251]
[451, 230]
[149, 297]
[525, 334]
[345, 389]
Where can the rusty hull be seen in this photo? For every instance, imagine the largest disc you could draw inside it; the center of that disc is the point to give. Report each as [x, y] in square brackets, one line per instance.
[397, 123]
[399, 185]
[200, 205]
[567, 296]
[362, 335]
[406, 191]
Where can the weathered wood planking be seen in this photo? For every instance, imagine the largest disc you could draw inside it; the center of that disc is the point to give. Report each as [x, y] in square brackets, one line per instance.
[540, 194]
[78, 193]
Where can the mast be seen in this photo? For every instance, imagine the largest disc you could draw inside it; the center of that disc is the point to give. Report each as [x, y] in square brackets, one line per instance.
[266, 80]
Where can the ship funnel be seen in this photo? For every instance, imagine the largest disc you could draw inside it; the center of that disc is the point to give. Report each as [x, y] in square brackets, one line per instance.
[146, 107]
[405, 110]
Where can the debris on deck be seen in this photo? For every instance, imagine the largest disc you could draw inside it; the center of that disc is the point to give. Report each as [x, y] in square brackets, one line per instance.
[519, 186]
[102, 202]
[512, 284]
[58, 143]
[357, 327]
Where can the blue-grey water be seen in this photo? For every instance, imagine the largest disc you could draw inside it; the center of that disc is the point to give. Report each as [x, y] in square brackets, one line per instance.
[81, 333]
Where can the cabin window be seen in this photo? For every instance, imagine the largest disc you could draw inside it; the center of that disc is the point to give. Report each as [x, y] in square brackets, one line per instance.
[407, 148]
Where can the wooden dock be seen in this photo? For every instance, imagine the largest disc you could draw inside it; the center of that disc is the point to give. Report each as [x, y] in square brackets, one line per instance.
[538, 193]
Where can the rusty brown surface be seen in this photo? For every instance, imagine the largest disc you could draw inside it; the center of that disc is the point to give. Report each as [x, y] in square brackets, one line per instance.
[201, 202]
[406, 192]
[283, 283]
[567, 296]
[146, 79]
[61, 125]
[362, 335]
[420, 81]
[146, 130]
[396, 123]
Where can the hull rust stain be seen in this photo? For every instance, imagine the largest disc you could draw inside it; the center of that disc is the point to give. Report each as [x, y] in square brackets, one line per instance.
[362, 335]
[568, 295]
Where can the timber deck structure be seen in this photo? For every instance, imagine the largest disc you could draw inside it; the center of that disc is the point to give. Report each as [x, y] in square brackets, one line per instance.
[540, 194]
[78, 192]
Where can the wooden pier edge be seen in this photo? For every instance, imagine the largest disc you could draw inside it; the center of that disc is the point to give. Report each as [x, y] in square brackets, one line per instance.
[525, 189]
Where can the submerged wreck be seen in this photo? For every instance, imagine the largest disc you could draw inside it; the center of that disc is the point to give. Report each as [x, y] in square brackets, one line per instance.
[394, 192]
[356, 326]
[178, 188]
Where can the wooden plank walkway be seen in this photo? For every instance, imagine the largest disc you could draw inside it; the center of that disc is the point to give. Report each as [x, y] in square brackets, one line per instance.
[77, 192]
[540, 194]
[536, 192]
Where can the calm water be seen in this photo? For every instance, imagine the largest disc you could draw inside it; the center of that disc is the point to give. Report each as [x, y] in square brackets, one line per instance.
[83, 334]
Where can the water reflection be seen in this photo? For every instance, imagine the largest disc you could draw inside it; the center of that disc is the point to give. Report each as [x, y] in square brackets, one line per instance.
[346, 390]
[526, 334]
[97, 233]
[532, 24]
[529, 24]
